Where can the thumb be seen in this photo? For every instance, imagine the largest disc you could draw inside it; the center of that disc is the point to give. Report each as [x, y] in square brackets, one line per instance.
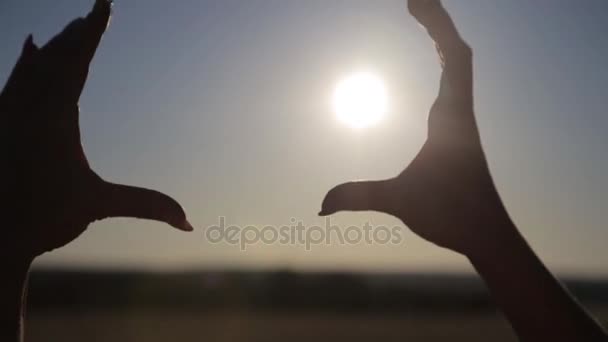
[361, 196]
[22, 72]
[29, 48]
[118, 200]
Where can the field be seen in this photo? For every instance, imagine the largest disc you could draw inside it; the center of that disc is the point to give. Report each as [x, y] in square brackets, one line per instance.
[264, 327]
[241, 306]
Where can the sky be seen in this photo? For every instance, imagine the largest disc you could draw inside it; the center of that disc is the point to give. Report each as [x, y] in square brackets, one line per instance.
[226, 106]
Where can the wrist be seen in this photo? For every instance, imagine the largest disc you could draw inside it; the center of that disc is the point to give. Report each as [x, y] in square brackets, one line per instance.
[500, 239]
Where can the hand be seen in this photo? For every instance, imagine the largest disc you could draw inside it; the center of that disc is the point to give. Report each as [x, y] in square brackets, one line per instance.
[51, 194]
[446, 195]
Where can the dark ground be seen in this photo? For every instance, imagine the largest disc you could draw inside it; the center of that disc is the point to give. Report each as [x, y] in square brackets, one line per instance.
[268, 306]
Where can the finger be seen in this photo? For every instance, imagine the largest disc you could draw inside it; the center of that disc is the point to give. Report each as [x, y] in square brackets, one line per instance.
[82, 35]
[128, 201]
[420, 9]
[361, 196]
[452, 116]
[29, 48]
[455, 54]
[96, 24]
[69, 54]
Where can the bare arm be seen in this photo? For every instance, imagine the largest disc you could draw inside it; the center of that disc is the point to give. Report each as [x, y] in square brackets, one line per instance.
[538, 307]
[447, 196]
[50, 192]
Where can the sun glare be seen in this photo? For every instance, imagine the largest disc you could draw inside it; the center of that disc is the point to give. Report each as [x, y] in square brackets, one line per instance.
[360, 100]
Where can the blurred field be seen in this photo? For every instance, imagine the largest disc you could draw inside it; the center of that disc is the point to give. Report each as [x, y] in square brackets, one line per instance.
[264, 327]
[291, 327]
[253, 306]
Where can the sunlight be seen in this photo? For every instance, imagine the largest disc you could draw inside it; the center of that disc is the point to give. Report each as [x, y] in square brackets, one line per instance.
[360, 100]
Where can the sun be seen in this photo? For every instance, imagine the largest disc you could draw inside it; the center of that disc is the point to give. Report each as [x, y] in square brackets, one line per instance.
[360, 100]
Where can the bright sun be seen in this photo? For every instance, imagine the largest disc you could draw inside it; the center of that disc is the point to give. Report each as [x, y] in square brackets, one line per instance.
[360, 100]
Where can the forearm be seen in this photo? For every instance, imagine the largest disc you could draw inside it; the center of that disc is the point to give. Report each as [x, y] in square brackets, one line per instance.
[538, 307]
[13, 285]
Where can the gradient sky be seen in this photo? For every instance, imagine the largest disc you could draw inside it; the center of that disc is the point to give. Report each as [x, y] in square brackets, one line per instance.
[225, 105]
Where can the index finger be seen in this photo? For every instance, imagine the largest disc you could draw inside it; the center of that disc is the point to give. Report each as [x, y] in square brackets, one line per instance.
[69, 54]
[454, 52]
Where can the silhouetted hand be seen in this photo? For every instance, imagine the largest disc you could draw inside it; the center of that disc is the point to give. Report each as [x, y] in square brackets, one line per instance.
[50, 192]
[446, 194]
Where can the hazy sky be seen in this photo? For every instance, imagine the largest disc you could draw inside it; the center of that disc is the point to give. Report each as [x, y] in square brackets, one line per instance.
[225, 105]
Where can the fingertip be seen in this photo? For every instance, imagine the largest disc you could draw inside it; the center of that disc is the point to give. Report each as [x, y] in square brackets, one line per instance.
[103, 5]
[186, 226]
[100, 14]
[324, 205]
[28, 45]
[332, 202]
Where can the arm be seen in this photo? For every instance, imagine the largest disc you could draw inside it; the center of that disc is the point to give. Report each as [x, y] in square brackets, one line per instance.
[51, 194]
[447, 196]
[538, 307]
